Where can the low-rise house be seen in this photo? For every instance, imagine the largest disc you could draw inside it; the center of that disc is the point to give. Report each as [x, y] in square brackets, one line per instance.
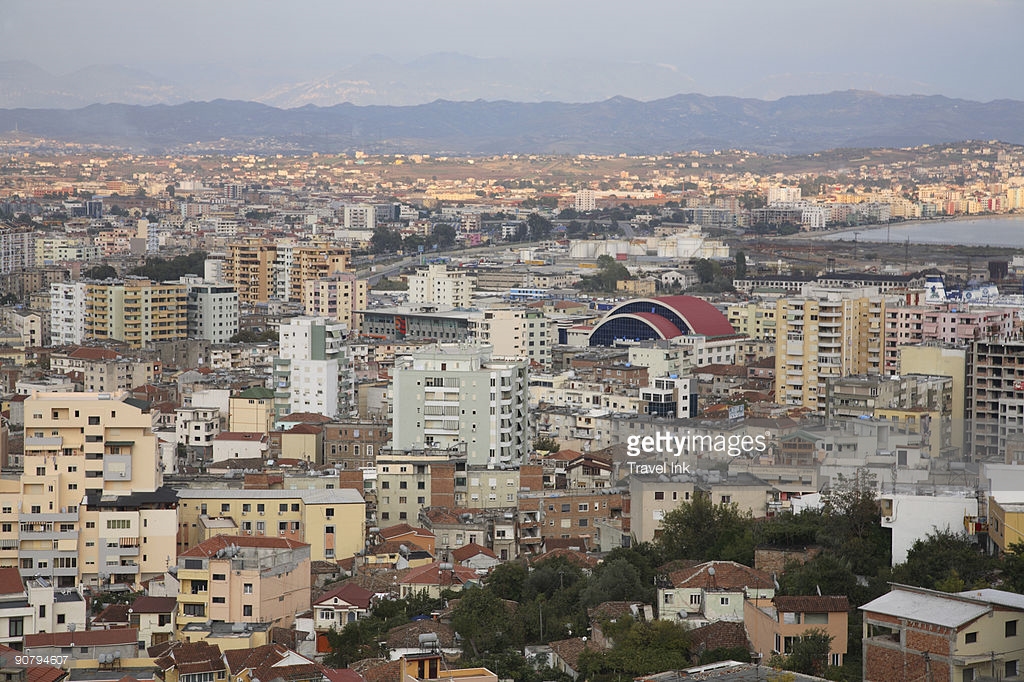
[435, 578]
[475, 556]
[239, 445]
[565, 655]
[271, 662]
[154, 617]
[712, 591]
[777, 624]
[344, 604]
[912, 633]
[118, 644]
[197, 661]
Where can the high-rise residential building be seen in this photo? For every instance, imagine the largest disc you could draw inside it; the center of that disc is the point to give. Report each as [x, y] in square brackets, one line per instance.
[440, 285]
[17, 248]
[995, 396]
[826, 334]
[586, 200]
[315, 261]
[755, 319]
[249, 268]
[449, 395]
[515, 332]
[784, 194]
[311, 373]
[337, 297]
[67, 313]
[212, 312]
[951, 323]
[89, 508]
[136, 310]
[360, 217]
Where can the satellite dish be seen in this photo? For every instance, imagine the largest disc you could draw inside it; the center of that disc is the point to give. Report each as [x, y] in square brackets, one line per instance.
[711, 570]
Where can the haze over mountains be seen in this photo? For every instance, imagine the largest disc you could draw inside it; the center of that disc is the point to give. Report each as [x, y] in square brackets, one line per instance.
[451, 103]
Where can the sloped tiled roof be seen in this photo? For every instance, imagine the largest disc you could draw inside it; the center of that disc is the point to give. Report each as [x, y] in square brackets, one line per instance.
[403, 529]
[610, 610]
[812, 604]
[720, 634]
[154, 604]
[407, 636]
[350, 593]
[728, 575]
[10, 581]
[208, 548]
[192, 657]
[471, 550]
[569, 650]
[83, 638]
[431, 574]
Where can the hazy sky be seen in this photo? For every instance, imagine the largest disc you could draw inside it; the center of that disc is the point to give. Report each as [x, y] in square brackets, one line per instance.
[960, 48]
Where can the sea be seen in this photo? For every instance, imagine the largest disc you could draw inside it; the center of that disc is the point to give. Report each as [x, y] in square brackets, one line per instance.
[1004, 231]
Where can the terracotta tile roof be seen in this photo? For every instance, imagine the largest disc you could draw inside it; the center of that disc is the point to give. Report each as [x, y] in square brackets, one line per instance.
[343, 675]
[304, 429]
[471, 550]
[400, 529]
[564, 455]
[124, 636]
[154, 604]
[431, 574]
[719, 635]
[350, 593]
[812, 604]
[610, 610]
[112, 613]
[242, 659]
[569, 650]
[89, 353]
[241, 435]
[10, 581]
[581, 559]
[408, 636]
[35, 673]
[576, 543]
[208, 548]
[192, 657]
[728, 575]
[378, 669]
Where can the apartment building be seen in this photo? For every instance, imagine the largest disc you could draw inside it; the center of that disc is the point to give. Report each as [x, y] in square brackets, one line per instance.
[775, 624]
[754, 319]
[212, 312]
[249, 268]
[331, 521]
[950, 323]
[408, 481]
[570, 513]
[311, 373]
[515, 332]
[354, 443]
[17, 248]
[89, 508]
[67, 313]
[437, 284]
[452, 394]
[338, 297]
[244, 579]
[136, 311]
[830, 334]
[252, 411]
[316, 261]
[995, 396]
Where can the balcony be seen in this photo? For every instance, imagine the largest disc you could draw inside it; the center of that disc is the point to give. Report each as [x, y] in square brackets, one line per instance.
[65, 516]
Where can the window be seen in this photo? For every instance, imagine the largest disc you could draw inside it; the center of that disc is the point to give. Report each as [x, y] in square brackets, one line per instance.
[726, 499]
[329, 512]
[659, 495]
[295, 507]
[6, 528]
[566, 508]
[282, 508]
[724, 601]
[695, 599]
[247, 610]
[218, 600]
[583, 507]
[225, 508]
[1011, 628]
[16, 627]
[219, 576]
[1010, 669]
[246, 508]
[971, 638]
[42, 610]
[94, 421]
[247, 588]
[261, 508]
[60, 619]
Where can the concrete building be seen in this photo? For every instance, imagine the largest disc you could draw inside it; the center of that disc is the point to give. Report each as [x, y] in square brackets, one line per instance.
[407, 323]
[515, 332]
[67, 313]
[136, 310]
[834, 333]
[776, 624]
[755, 319]
[311, 372]
[330, 521]
[913, 633]
[950, 323]
[437, 284]
[995, 397]
[244, 579]
[249, 268]
[914, 517]
[942, 359]
[212, 312]
[17, 248]
[710, 592]
[89, 507]
[453, 394]
[585, 201]
[339, 297]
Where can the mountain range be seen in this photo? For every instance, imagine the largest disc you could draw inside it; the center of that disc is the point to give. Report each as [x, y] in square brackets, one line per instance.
[796, 124]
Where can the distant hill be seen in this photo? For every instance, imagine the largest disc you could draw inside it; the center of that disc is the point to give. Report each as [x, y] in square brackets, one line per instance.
[789, 125]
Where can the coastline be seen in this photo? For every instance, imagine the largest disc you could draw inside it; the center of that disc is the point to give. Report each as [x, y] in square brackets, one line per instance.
[945, 233]
[874, 227]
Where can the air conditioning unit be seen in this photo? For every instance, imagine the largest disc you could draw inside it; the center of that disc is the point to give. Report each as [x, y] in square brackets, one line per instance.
[887, 519]
[281, 532]
[261, 513]
[248, 532]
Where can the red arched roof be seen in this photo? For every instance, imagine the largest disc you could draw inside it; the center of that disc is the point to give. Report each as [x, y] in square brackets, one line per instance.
[703, 317]
[659, 323]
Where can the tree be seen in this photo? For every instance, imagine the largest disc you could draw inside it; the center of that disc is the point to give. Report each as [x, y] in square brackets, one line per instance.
[444, 236]
[100, 272]
[704, 531]
[945, 559]
[707, 270]
[741, 265]
[546, 444]
[617, 580]
[485, 622]
[384, 240]
[640, 648]
[809, 655]
[506, 581]
[540, 227]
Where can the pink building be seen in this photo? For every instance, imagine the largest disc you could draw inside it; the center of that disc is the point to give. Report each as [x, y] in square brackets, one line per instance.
[950, 322]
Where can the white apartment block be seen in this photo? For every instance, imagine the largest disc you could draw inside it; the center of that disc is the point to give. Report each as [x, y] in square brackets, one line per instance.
[360, 217]
[515, 332]
[67, 313]
[439, 285]
[784, 194]
[452, 394]
[307, 373]
[586, 200]
[212, 312]
[17, 249]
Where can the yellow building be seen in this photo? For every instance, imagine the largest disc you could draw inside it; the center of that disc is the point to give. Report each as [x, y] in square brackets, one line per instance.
[136, 311]
[249, 267]
[753, 319]
[929, 424]
[1005, 522]
[338, 297]
[314, 262]
[244, 579]
[332, 522]
[90, 506]
[833, 333]
[251, 411]
[941, 360]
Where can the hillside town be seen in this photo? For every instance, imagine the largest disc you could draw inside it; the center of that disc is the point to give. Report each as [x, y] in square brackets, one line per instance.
[335, 418]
